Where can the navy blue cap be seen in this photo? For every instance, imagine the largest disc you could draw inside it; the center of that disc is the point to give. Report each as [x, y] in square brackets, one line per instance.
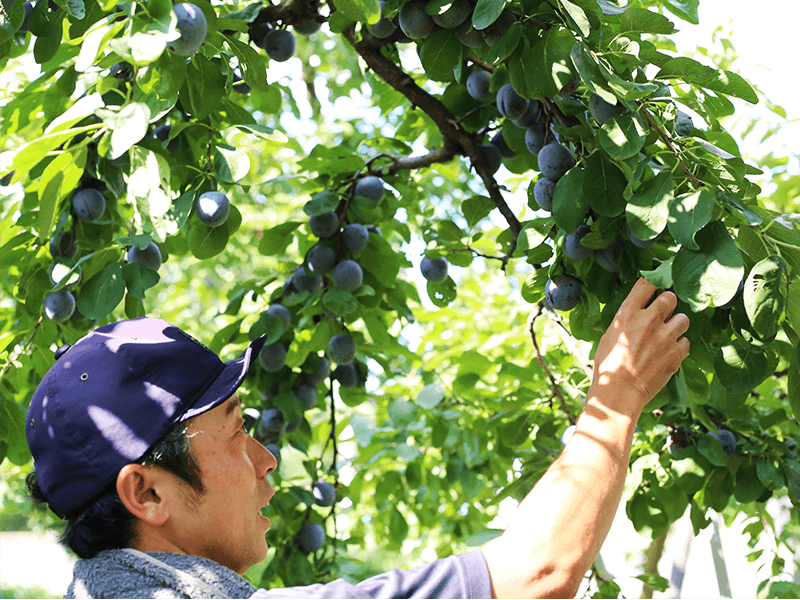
[114, 394]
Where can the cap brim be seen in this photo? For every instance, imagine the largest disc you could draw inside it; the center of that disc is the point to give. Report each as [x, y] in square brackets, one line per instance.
[228, 381]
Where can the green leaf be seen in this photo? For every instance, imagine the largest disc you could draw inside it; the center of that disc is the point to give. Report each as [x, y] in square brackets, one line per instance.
[640, 20]
[477, 208]
[225, 336]
[723, 82]
[712, 449]
[622, 136]
[688, 214]
[440, 52]
[102, 293]
[654, 581]
[769, 474]
[614, 7]
[710, 274]
[251, 64]
[274, 241]
[547, 64]
[505, 45]
[647, 211]
[569, 203]
[360, 10]
[331, 161]
[764, 295]
[603, 186]
[685, 9]
[430, 396]
[486, 12]
[58, 180]
[747, 486]
[12, 432]
[207, 242]
[203, 83]
[129, 127]
[741, 368]
[138, 279]
[230, 164]
[321, 203]
[339, 301]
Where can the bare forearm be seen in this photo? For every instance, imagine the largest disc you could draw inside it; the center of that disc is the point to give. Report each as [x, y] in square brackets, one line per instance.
[561, 524]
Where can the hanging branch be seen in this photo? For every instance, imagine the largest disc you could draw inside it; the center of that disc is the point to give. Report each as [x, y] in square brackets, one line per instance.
[556, 388]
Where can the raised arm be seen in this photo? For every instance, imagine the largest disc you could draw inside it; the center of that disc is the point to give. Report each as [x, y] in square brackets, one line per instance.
[561, 524]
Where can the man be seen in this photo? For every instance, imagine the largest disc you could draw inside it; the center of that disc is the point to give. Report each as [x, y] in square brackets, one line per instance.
[137, 438]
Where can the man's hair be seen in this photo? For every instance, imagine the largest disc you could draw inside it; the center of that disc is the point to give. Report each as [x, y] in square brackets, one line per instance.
[105, 523]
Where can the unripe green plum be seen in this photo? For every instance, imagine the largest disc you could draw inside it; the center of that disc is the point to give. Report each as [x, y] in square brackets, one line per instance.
[434, 269]
[370, 187]
[355, 237]
[88, 204]
[563, 294]
[478, 84]
[150, 257]
[510, 104]
[342, 349]
[213, 209]
[348, 275]
[280, 44]
[192, 26]
[602, 111]
[324, 493]
[455, 15]
[59, 306]
[272, 357]
[555, 160]
[321, 259]
[543, 191]
[324, 225]
[414, 21]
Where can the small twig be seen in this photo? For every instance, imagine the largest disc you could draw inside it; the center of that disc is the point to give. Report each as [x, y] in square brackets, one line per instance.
[479, 62]
[666, 140]
[556, 388]
[24, 348]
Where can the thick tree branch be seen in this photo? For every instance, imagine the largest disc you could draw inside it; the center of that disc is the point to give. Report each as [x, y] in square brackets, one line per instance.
[457, 141]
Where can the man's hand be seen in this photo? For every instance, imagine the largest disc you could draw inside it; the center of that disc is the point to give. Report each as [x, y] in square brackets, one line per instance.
[561, 524]
[643, 347]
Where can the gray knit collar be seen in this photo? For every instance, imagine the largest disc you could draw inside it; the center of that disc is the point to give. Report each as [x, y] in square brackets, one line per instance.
[128, 573]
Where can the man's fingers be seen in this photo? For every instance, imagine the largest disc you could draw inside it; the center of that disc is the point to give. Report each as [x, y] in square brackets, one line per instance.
[663, 305]
[679, 324]
[640, 295]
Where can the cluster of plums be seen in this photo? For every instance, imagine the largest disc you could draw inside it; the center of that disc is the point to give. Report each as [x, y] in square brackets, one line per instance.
[88, 205]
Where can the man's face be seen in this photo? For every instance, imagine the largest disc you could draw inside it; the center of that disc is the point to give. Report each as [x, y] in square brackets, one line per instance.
[226, 525]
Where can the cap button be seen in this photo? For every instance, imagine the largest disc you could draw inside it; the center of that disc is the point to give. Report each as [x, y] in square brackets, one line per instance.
[61, 349]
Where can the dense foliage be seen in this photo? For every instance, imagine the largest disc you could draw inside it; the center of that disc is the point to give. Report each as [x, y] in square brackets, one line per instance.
[166, 162]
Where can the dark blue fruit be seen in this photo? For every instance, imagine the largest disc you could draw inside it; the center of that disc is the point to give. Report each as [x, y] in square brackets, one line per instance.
[563, 293]
[434, 269]
[324, 493]
[555, 160]
[573, 248]
[311, 537]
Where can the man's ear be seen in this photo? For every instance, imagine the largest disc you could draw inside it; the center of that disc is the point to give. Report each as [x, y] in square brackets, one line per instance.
[142, 491]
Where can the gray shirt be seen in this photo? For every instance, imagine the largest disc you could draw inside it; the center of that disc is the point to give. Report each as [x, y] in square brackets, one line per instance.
[127, 573]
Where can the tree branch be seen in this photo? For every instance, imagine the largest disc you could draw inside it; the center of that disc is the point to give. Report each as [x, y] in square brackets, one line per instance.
[666, 140]
[457, 141]
[556, 388]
